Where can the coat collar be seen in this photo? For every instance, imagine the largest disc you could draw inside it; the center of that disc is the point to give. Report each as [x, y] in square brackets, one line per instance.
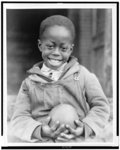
[71, 67]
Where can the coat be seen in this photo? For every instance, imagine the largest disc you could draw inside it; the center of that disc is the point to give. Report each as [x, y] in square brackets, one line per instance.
[39, 94]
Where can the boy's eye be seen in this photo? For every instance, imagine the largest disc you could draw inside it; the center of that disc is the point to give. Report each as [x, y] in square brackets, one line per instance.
[50, 47]
[64, 49]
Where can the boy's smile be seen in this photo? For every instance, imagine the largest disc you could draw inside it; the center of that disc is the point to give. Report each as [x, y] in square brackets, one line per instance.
[54, 62]
[56, 46]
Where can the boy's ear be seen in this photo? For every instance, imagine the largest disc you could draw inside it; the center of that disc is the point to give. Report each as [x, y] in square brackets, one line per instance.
[39, 44]
[71, 49]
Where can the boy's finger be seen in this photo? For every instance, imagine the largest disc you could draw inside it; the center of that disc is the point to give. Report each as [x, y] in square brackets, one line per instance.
[60, 139]
[78, 123]
[60, 129]
[67, 136]
[55, 126]
[66, 131]
[70, 129]
[48, 120]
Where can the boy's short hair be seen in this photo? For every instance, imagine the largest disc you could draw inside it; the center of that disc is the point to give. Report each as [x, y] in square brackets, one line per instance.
[57, 20]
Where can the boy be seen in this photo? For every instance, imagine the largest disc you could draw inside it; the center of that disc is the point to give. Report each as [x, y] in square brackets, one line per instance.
[57, 80]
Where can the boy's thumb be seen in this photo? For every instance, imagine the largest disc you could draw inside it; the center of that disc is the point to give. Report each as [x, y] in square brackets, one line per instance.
[48, 120]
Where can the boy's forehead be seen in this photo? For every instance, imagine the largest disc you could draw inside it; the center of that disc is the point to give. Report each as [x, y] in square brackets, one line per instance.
[57, 33]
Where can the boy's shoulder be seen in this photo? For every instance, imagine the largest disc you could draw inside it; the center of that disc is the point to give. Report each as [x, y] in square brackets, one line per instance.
[85, 74]
[84, 70]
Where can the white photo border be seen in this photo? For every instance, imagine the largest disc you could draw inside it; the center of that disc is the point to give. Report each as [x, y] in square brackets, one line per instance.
[115, 46]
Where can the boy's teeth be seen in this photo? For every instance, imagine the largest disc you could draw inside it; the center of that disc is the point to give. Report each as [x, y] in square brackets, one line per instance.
[55, 62]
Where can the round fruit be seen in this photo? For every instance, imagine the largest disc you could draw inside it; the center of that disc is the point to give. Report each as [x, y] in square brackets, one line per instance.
[65, 114]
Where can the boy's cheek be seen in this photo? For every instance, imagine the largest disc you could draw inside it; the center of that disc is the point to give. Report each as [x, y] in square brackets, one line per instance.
[45, 55]
[65, 58]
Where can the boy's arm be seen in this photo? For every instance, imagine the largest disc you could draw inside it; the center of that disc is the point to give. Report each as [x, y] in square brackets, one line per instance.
[99, 112]
[22, 123]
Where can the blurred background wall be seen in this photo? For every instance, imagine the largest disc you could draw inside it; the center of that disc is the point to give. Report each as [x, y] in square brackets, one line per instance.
[93, 43]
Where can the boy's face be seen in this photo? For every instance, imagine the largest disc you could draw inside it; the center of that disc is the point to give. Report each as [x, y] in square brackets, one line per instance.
[56, 46]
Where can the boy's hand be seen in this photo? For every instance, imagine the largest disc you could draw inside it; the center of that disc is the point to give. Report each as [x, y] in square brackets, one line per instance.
[73, 133]
[52, 132]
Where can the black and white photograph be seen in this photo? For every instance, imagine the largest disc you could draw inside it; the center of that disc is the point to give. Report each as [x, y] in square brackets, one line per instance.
[60, 74]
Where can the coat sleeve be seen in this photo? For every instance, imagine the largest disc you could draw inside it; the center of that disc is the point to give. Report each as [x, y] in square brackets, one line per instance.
[99, 112]
[22, 123]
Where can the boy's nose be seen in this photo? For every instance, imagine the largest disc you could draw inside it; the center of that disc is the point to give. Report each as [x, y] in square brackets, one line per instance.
[56, 51]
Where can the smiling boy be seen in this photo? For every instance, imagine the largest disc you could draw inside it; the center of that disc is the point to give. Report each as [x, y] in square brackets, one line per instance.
[58, 79]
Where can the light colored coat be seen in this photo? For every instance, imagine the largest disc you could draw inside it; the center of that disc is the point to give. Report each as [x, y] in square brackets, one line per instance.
[39, 94]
